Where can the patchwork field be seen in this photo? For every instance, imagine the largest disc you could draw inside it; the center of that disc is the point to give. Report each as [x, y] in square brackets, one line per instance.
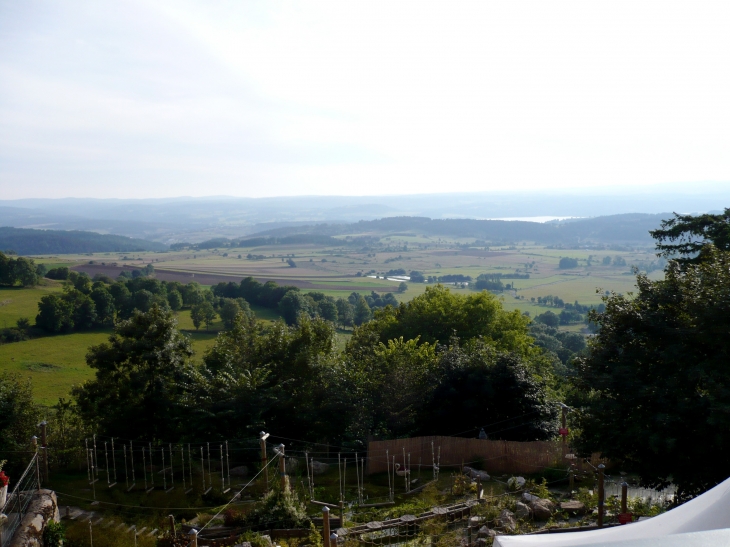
[55, 363]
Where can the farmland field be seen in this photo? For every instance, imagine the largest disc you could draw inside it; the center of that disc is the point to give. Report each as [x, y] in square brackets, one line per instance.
[55, 363]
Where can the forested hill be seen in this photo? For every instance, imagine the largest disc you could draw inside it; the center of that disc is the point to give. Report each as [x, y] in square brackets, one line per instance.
[633, 227]
[36, 242]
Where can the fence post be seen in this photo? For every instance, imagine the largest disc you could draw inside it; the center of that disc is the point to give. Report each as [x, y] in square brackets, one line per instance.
[44, 446]
[333, 540]
[325, 524]
[342, 514]
[601, 495]
[282, 468]
[264, 460]
[624, 496]
[172, 525]
[193, 538]
[34, 443]
[479, 487]
[571, 478]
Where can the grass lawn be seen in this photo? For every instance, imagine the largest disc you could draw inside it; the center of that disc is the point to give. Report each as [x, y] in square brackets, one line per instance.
[17, 302]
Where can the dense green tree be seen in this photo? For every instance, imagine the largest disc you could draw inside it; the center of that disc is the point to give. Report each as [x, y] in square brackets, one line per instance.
[439, 313]
[60, 273]
[202, 313]
[14, 271]
[606, 261]
[403, 287]
[567, 263]
[54, 314]
[362, 312]
[548, 318]
[684, 236]
[491, 389]
[192, 294]
[135, 391]
[655, 386]
[24, 271]
[230, 308]
[345, 312]
[327, 309]
[104, 304]
[80, 281]
[20, 416]
[174, 298]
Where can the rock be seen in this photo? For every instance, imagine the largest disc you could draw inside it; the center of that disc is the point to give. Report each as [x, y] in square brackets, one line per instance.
[474, 522]
[529, 498]
[522, 511]
[319, 468]
[240, 471]
[573, 507]
[42, 509]
[485, 532]
[481, 542]
[476, 474]
[515, 483]
[507, 520]
[542, 509]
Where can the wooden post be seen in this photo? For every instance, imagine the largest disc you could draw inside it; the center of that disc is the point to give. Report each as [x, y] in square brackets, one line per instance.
[44, 452]
[172, 525]
[34, 444]
[264, 459]
[479, 487]
[601, 494]
[564, 423]
[571, 478]
[282, 469]
[333, 540]
[193, 538]
[325, 524]
[624, 496]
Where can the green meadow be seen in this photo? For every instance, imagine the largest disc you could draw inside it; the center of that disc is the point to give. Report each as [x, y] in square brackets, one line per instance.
[56, 363]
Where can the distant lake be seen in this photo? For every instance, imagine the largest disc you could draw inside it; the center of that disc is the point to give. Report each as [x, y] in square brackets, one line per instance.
[531, 219]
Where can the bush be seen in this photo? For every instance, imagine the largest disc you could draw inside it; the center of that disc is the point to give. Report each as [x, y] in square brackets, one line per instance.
[278, 509]
[60, 274]
[54, 534]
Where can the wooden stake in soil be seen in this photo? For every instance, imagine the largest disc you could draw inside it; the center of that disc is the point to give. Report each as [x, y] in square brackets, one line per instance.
[264, 460]
[601, 494]
[325, 524]
[624, 496]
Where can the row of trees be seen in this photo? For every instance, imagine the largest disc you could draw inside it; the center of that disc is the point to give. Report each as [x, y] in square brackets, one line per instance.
[391, 380]
[17, 271]
[85, 304]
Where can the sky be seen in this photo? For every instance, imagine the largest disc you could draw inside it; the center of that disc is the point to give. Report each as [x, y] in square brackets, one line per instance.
[171, 98]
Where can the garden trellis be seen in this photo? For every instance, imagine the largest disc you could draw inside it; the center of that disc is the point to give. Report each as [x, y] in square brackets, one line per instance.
[166, 459]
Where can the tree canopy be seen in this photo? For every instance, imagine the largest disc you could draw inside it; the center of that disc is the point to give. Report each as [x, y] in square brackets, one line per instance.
[655, 387]
[684, 236]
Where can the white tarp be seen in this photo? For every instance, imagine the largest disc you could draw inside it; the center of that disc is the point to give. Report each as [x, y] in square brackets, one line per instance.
[710, 511]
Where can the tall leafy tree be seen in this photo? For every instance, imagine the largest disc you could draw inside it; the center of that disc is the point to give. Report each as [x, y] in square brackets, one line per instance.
[135, 390]
[684, 236]
[478, 386]
[655, 387]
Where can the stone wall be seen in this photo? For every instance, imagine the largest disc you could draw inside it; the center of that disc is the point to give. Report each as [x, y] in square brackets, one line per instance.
[41, 510]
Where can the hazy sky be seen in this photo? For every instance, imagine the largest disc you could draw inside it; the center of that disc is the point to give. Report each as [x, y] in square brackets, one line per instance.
[151, 99]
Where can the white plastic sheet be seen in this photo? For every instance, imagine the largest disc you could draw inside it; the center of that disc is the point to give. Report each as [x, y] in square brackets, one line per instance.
[710, 511]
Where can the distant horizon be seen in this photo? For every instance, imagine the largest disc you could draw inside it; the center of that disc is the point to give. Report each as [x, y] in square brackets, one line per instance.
[688, 188]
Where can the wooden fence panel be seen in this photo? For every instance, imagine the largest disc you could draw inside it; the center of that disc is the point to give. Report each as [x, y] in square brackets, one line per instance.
[494, 456]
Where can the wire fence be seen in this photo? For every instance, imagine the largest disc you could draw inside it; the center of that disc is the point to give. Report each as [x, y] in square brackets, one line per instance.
[16, 505]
